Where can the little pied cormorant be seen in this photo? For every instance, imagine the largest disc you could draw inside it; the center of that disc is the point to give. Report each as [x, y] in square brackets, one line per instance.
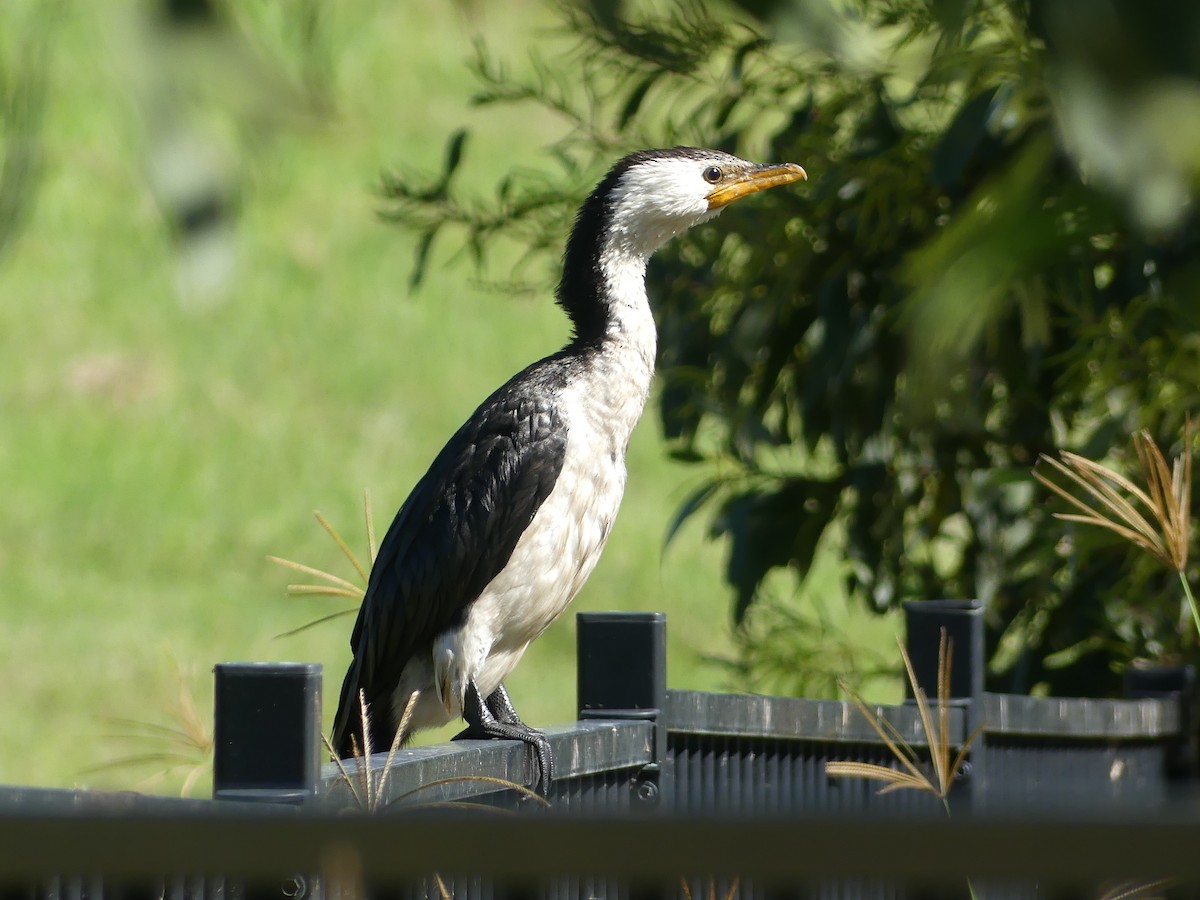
[502, 531]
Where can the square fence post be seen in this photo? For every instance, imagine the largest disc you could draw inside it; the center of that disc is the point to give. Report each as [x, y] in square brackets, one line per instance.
[963, 623]
[622, 674]
[267, 732]
[1178, 683]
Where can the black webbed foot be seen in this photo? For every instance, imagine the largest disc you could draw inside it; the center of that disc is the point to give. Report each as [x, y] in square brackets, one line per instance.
[496, 718]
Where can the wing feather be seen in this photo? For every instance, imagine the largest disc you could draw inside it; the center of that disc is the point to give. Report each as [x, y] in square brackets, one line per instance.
[453, 535]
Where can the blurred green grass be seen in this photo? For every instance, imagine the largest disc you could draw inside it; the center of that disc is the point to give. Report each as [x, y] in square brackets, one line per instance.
[152, 454]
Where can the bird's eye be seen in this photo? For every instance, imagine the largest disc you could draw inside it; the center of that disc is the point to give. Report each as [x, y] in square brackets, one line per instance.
[712, 174]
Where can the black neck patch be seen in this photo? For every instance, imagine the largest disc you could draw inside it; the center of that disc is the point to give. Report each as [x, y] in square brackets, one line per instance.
[582, 292]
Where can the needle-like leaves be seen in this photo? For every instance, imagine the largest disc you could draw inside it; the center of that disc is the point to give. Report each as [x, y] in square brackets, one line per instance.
[369, 791]
[935, 723]
[185, 746]
[1156, 519]
[1139, 890]
[334, 585]
[712, 889]
[366, 789]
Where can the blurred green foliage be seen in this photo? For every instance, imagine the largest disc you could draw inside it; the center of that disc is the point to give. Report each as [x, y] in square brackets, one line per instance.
[23, 67]
[157, 442]
[996, 256]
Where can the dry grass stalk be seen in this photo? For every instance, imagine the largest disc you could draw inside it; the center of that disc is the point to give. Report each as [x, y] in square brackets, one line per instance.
[186, 746]
[1139, 890]
[914, 776]
[342, 873]
[334, 585]
[472, 779]
[712, 889]
[368, 791]
[342, 867]
[1156, 519]
[935, 723]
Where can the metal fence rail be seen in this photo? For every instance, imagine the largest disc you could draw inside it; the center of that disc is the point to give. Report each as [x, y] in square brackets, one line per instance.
[791, 718]
[780, 853]
[753, 756]
[595, 765]
[638, 745]
[770, 756]
[652, 786]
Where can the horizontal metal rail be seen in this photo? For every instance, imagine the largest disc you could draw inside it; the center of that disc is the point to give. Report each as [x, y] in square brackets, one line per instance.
[455, 771]
[1051, 849]
[1080, 718]
[752, 715]
[17, 800]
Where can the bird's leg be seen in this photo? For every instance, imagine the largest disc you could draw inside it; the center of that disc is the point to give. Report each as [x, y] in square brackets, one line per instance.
[496, 718]
[501, 706]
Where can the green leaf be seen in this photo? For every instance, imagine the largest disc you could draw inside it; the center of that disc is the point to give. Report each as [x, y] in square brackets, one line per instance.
[956, 148]
[454, 155]
[421, 258]
[773, 529]
[634, 102]
[690, 506]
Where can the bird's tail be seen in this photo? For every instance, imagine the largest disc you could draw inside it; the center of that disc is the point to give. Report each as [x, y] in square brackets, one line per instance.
[356, 716]
[359, 715]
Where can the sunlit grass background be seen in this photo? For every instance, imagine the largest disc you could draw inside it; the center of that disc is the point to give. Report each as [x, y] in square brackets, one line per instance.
[155, 449]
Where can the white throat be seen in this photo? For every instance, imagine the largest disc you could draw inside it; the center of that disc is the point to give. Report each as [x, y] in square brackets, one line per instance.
[630, 324]
[651, 205]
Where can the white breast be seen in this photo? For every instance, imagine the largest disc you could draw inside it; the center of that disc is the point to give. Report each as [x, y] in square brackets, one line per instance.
[550, 563]
[600, 406]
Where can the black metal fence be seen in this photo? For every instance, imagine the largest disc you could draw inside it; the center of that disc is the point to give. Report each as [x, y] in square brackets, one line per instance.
[640, 746]
[655, 789]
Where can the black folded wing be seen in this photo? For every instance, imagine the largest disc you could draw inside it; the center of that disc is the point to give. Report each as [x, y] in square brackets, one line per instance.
[453, 535]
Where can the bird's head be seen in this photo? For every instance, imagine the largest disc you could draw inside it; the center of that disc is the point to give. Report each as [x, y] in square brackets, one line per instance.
[654, 195]
[646, 199]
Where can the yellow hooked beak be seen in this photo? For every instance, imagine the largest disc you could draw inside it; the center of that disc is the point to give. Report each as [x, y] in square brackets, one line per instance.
[752, 181]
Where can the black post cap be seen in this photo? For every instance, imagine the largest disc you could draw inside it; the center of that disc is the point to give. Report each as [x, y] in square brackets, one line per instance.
[267, 731]
[622, 664]
[963, 622]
